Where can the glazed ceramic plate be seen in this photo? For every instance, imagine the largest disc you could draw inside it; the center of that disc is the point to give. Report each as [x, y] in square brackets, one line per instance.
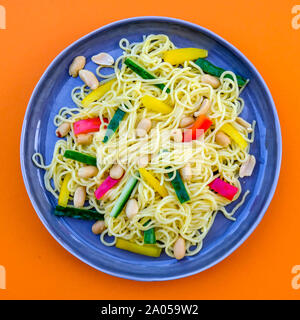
[54, 91]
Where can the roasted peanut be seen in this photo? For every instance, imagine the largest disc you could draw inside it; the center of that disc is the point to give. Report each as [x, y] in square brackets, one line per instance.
[132, 208]
[143, 161]
[213, 81]
[77, 64]
[179, 248]
[222, 139]
[143, 127]
[186, 172]
[116, 172]
[79, 197]
[87, 172]
[84, 139]
[247, 167]
[63, 129]
[103, 58]
[98, 227]
[204, 107]
[186, 121]
[89, 79]
[244, 124]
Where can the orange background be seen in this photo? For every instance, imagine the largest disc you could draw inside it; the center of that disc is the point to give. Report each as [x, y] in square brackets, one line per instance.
[37, 266]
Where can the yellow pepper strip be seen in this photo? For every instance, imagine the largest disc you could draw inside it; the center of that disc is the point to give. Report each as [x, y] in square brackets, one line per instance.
[235, 135]
[178, 56]
[153, 182]
[146, 249]
[155, 105]
[97, 93]
[64, 192]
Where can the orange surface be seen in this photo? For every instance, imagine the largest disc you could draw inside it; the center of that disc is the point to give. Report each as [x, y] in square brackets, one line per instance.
[37, 266]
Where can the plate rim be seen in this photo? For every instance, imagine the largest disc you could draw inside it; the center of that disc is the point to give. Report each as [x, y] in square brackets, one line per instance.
[228, 46]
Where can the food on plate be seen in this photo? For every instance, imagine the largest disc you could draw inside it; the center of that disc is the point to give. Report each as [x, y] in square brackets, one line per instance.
[152, 151]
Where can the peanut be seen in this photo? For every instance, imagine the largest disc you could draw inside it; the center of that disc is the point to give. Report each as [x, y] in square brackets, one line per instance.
[186, 121]
[186, 172]
[213, 81]
[116, 172]
[63, 129]
[98, 227]
[143, 161]
[244, 124]
[132, 208]
[77, 64]
[103, 58]
[79, 197]
[204, 107]
[179, 248]
[89, 79]
[143, 127]
[87, 172]
[222, 139]
[247, 167]
[84, 139]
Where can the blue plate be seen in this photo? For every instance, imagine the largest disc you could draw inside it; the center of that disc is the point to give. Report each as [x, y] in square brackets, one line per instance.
[53, 92]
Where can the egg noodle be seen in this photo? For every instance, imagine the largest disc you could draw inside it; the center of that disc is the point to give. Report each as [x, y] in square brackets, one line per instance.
[191, 220]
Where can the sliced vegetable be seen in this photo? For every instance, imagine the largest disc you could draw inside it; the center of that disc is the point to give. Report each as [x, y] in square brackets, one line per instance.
[146, 249]
[234, 135]
[201, 124]
[64, 191]
[149, 235]
[142, 72]
[124, 196]
[114, 124]
[223, 188]
[87, 125]
[155, 105]
[178, 56]
[179, 187]
[105, 186]
[81, 157]
[77, 213]
[211, 69]
[97, 93]
[153, 182]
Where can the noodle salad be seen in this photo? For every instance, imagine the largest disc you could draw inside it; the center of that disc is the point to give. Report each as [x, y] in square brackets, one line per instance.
[154, 150]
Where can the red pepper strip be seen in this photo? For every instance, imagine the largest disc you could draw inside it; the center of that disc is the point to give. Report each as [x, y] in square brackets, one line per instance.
[223, 188]
[201, 124]
[87, 125]
[106, 185]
